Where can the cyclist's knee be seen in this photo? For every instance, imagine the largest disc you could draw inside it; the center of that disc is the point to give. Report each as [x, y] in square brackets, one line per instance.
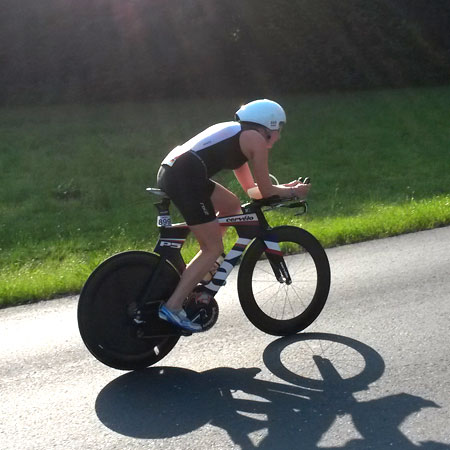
[214, 248]
[209, 237]
[220, 249]
[211, 246]
[226, 203]
[233, 207]
[236, 207]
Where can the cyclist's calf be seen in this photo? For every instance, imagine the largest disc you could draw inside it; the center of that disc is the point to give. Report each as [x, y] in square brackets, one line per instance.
[209, 237]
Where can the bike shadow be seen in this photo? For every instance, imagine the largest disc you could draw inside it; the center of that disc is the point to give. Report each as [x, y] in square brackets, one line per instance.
[165, 402]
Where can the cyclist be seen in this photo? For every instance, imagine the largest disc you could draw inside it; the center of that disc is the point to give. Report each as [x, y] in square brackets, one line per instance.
[185, 175]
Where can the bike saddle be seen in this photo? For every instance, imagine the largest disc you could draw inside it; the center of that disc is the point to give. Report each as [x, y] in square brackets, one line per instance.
[157, 192]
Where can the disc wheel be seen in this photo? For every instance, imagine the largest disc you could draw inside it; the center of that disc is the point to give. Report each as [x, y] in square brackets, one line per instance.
[281, 308]
[107, 306]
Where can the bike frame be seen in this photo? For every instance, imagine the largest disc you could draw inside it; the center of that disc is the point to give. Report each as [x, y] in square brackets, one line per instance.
[250, 224]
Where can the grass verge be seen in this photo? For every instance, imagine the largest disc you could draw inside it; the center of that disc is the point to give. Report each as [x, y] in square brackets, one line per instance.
[73, 177]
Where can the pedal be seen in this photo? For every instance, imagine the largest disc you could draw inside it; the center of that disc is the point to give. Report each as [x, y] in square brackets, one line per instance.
[148, 325]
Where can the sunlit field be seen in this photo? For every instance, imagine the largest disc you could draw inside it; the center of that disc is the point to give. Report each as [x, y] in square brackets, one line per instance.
[73, 178]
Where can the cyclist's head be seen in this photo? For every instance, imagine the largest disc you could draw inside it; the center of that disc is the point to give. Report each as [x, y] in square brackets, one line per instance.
[264, 112]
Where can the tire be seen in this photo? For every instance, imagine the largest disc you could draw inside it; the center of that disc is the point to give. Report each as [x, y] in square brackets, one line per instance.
[277, 308]
[105, 310]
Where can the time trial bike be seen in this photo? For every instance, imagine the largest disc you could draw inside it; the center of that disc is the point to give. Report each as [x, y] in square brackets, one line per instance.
[280, 294]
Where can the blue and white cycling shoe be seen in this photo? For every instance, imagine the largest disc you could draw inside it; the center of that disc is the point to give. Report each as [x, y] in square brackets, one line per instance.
[179, 319]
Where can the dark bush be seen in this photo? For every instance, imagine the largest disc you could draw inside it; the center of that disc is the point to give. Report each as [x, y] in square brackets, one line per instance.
[110, 50]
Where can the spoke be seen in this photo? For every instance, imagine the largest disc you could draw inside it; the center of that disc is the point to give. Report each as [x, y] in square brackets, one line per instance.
[284, 305]
[268, 299]
[309, 346]
[330, 344]
[273, 281]
[298, 296]
[292, 296]
[271, 311]
[265, 271]
[321, 347]
[300, 275]
[289, 301]
[296, 273]
[341, 350]
[275, 299]
[262, 290]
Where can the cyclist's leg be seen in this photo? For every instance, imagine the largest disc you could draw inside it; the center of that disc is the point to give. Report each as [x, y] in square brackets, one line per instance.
[209, 236]
[225, 202]
[198, 200]
[210, 239]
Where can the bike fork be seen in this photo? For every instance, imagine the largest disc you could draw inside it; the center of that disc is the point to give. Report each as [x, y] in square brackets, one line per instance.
[277, 262]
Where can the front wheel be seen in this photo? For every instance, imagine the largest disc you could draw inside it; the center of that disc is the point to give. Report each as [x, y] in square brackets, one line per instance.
[284, 305]
[107, 306]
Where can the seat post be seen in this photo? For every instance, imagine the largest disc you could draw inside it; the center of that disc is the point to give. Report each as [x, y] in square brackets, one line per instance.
[163, 206]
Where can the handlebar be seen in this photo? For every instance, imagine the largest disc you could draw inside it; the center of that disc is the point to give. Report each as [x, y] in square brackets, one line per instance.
[276, 201]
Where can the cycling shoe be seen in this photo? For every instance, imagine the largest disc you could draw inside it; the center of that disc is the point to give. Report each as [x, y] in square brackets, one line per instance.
[179, 319]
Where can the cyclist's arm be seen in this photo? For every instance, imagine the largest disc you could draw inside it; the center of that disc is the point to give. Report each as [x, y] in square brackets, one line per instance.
[244, 176]
[254, 147]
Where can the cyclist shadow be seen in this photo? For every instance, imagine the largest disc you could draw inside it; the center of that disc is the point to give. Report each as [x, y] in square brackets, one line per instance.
[164, 402]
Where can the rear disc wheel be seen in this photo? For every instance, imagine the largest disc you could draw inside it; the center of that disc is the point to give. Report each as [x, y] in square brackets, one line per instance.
[107, 306]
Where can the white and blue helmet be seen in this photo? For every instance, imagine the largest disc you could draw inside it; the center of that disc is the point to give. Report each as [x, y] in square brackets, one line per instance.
[263, 112]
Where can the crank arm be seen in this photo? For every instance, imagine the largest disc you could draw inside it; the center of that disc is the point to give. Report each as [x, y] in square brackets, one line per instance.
[159, 329]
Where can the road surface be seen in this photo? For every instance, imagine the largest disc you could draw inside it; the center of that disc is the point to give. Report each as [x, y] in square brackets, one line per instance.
[371, 373]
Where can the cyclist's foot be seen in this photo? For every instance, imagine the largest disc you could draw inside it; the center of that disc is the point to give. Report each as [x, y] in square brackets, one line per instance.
[179, 319]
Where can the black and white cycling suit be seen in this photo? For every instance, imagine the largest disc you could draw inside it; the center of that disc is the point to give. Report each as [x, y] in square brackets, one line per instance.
[185, 173]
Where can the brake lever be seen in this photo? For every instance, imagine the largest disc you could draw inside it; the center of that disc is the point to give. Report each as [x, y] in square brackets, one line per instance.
[304, 210]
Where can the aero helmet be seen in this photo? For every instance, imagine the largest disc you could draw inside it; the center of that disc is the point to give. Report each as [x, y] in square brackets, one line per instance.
[263, 112]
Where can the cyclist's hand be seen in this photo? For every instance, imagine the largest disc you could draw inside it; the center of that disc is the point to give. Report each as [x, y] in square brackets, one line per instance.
[301, 190]
[298, 188]
[292, 183]
[300, 180]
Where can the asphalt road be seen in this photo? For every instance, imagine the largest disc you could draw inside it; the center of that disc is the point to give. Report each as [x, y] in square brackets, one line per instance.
[371, 373]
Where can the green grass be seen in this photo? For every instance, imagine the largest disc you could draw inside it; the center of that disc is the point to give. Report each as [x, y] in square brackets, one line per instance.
[73, 178]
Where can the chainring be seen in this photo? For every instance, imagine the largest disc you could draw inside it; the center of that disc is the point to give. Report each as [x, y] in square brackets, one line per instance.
[205, 314]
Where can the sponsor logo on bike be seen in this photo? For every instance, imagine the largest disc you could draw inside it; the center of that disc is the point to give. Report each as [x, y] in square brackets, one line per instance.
[171, 244]
[240, 219]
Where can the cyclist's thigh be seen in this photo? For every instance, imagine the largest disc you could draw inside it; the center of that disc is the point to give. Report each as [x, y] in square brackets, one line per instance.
[189, 189]
[209, 236]
[225, 202]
